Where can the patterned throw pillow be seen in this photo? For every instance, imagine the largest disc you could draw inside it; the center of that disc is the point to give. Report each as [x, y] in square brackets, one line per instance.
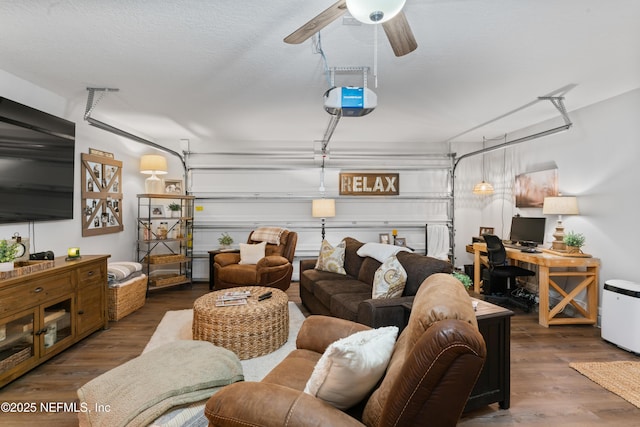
[389, 279]
[330, 258]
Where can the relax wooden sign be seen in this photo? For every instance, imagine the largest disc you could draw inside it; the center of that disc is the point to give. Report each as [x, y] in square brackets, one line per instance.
[369, 184]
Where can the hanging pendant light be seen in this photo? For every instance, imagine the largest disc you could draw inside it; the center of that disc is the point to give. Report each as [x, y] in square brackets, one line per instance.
[374, 11]
[483, 188]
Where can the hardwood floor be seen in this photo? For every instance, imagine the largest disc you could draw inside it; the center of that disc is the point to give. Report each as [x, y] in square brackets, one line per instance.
[545, 391]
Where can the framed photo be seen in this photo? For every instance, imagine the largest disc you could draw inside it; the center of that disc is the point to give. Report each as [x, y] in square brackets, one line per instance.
[401, 241]
[385, 238]
[486, 230]
[173, 186]
[157, 211]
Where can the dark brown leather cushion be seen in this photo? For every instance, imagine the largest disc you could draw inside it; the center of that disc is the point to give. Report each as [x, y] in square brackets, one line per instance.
[352, 261]
[368, 270]
[418, 268]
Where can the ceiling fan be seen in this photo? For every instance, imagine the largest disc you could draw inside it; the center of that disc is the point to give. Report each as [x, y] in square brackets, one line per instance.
[389, 13]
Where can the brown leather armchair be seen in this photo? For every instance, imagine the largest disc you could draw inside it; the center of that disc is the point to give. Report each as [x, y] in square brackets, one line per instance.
[274, 270]
[433, 369]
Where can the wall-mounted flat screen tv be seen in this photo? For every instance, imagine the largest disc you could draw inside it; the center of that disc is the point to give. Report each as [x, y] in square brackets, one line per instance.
[37, 152]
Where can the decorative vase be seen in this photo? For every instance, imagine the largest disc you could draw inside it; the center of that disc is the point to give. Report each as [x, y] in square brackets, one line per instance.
[573, 249]
[6, 266]
[175, 214]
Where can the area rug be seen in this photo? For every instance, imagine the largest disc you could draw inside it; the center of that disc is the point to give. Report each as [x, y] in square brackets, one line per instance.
[621, 378]
[176, 325]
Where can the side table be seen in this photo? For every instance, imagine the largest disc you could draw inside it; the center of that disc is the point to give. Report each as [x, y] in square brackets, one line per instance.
[212, 272]
[494, 382]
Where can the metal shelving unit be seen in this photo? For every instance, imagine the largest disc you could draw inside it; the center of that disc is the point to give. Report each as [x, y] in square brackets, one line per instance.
[165, 240]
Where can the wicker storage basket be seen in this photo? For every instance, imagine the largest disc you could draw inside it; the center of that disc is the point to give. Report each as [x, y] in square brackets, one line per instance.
[124, 300]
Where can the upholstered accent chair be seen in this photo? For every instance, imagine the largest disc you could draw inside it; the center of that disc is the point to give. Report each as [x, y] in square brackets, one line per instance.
[434, 365]
[273, 270]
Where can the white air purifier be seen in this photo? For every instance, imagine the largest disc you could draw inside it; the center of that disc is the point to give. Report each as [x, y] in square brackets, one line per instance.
[621, 314]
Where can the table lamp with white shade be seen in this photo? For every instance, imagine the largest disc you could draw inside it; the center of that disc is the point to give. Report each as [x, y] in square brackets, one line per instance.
[560, 205]
[153, 164]
[323, 208]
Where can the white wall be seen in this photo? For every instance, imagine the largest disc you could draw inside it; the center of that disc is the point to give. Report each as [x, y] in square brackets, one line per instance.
[597, 161]
[58, 236]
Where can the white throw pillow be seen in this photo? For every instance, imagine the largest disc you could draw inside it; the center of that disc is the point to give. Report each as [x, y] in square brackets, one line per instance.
[251, 254]
[331, 259]
[350, 367]
[389, 279]
[380, 251]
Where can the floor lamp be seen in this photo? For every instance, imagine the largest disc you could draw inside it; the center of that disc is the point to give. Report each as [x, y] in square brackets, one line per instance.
[561, 205]
[323, 208]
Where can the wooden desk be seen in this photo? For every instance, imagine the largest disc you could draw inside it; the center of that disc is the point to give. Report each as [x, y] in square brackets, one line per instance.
[586, 268]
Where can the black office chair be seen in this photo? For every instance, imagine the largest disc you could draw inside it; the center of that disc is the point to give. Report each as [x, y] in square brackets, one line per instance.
[501, 275]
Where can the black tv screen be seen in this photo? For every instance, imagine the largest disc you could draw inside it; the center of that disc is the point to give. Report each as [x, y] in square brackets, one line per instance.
[37, 152]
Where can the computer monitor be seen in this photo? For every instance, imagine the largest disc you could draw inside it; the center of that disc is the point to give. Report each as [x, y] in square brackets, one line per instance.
[527, 231]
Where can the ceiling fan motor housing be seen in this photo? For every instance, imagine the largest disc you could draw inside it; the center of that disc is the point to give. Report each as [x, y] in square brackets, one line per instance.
[350, 101]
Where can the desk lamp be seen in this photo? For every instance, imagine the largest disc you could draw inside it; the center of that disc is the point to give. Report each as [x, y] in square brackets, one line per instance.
[561, 205]
[153, 164]
[323, 208]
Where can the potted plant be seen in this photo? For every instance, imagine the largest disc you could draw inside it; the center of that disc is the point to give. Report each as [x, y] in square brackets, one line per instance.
[174, 208]
[225, 240]
[466, 280]
[574, 242]
[7, 254]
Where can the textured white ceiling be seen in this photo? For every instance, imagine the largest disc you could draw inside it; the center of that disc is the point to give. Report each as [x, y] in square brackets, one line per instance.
[218, 72]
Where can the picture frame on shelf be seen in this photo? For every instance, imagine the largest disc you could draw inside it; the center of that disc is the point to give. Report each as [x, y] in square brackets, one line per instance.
[173, 186]
[385, 238]
[486, 230]
[157, 211]
[401, 241]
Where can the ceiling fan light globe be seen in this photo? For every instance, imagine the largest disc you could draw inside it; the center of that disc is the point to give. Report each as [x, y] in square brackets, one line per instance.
[374, 11]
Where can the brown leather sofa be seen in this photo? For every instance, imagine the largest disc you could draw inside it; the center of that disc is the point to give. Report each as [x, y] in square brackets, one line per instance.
[349, 296]
[274, 270]
[434, 366]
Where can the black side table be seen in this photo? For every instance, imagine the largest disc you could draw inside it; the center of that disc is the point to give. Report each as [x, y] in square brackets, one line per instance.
[212, 272]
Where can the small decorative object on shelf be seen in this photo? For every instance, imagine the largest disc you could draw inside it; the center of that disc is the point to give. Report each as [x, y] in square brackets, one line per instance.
[175, 209]
[73, 253]
[394, 233]
[225, 241]
[7, 254]
[574, 242]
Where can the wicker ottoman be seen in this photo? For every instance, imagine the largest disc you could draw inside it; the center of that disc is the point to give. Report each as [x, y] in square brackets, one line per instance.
[250, 330]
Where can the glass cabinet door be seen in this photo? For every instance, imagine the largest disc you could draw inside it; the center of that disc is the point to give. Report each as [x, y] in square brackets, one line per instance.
[16, 340]
[56, 323]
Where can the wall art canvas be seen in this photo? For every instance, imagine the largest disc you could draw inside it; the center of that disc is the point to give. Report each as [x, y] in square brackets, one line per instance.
[531, 188]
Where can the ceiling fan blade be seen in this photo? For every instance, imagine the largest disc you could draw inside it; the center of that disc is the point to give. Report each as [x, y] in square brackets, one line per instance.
[400, 35]
[329, 15]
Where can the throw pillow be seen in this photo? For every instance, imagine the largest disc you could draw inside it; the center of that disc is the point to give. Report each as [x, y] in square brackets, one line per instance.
[389, 279]
[350, 367]
[380, 251]
[330, 258]
[251, 254]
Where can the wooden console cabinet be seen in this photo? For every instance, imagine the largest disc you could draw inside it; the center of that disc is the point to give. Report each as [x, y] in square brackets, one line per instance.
[44, 312]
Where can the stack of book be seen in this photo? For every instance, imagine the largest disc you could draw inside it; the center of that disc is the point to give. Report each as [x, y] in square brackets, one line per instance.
[231, 298]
